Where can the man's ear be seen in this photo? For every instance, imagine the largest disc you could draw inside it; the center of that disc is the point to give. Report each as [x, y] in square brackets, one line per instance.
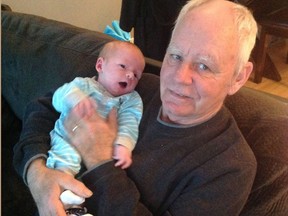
[241, 78]
[99, 64]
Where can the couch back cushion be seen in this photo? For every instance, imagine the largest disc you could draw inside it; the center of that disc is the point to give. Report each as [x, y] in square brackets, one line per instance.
[263, 121]
[39, 55]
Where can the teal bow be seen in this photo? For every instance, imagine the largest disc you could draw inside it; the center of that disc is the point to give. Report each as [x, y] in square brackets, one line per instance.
[116, 32]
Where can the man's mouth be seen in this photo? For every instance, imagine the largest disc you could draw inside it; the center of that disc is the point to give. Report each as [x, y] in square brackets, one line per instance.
[178, 94]
[123, 84]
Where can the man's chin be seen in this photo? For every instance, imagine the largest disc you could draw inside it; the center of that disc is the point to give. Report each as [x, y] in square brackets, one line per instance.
[176, 110]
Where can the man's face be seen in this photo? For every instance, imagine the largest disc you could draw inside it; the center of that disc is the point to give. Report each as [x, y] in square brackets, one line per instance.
[198, 68]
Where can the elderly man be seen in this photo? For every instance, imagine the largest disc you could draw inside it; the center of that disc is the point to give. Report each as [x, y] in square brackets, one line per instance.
[191, 158]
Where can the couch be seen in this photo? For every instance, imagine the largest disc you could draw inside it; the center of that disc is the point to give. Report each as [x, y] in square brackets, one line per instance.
[39, 55]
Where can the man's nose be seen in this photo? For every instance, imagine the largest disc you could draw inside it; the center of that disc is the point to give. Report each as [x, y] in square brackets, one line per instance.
[184, 74]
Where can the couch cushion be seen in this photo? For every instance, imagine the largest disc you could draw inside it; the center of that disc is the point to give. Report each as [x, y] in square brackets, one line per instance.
[39, 55]
[263, 121]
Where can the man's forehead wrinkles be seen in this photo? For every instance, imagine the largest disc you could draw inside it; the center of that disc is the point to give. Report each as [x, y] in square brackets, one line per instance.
[204, 56]
[174, 48]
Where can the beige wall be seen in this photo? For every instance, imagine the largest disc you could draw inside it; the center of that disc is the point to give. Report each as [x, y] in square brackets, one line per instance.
[90, 14]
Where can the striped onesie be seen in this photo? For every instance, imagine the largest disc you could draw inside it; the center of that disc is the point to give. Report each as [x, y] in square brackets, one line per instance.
[62, 155]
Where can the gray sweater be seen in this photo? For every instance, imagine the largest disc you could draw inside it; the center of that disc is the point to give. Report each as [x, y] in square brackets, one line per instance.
[201, 170]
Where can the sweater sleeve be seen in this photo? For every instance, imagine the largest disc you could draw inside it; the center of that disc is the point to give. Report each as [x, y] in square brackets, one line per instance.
[34, 141]
[114, 193]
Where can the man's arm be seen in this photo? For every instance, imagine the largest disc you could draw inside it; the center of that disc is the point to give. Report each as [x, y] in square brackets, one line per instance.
[34, 141]
[30, 159]
[114, 193]
[46, 185]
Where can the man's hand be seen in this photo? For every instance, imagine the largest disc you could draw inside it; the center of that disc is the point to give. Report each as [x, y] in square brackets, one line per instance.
[93, 136]
[46, 185]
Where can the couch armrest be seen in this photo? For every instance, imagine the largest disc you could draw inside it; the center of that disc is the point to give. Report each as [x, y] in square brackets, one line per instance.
[152, 66]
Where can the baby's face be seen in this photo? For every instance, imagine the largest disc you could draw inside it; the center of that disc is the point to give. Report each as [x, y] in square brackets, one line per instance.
[121, 70]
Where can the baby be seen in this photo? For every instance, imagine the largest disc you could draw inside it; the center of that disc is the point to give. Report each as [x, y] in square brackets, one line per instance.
[120, 66]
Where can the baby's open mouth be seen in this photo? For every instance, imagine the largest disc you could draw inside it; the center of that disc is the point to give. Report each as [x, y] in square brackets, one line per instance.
[123, 84]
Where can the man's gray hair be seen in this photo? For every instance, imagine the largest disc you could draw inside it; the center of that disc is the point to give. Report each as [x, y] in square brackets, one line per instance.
[245, 23]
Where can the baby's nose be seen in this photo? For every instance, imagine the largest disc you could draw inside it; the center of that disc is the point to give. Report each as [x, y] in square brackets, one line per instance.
[130, 75]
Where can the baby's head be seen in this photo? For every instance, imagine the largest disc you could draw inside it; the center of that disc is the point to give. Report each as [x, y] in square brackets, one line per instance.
[120, 66]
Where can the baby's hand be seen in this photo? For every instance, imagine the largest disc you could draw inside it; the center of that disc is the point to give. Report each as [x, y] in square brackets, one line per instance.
[123, 156]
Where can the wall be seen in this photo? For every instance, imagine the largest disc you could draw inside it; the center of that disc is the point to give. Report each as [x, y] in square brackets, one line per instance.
[90, 14]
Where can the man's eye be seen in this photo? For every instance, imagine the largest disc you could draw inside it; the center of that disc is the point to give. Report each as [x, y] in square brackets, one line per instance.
[203, 67]
[200, 67]
[204, 70]
[122, 66]
[176, 57]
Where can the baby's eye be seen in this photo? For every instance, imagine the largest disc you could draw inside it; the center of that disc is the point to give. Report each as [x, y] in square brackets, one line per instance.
[122, 66]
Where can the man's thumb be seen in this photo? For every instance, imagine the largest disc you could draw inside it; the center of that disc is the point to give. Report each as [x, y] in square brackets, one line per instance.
[79, 189]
